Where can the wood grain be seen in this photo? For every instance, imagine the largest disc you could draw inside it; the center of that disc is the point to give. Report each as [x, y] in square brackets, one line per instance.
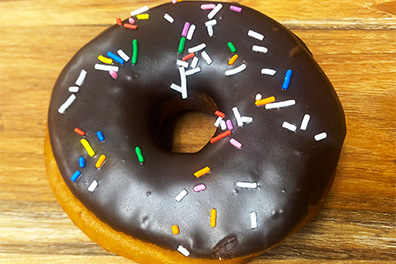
[353, 41]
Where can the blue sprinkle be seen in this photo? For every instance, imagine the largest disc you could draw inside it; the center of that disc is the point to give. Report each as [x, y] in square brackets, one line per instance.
[100, 136]
[81, 162]
[75, 176]
[286, 82]
[115, 57]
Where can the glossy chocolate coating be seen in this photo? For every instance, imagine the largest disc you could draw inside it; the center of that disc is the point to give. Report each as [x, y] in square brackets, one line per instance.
[292, 169]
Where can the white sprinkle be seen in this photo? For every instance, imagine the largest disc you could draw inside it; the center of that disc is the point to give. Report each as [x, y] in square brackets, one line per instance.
[211, 23]
[139, 11]
[305, 121]
[215, 11]
[255, 35]
[169, 18]
[218, 121]
[93, 186]
[181, 195]
[223, 125]
[320, 136]
[289, 126]
[102, 67]
[193, 71]
[268, 71]
[247, 119]
[123, 55]
[210, 31]
[237, 116]
[236, 70]
[183, 81]
[190, 33]
[206, 57]
[74, 89]
[176, 87]
[194, 62]
[280, 104]
[66, 104]
[258, 97]
[182, 63]
[247, 185]
[253, 220]
[183, 250]
[197, 48]
[81, 77]
[260, 49]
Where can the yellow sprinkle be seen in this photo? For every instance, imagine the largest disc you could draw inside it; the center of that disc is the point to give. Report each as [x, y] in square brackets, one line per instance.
[265, 101]
[202, 172]
[105, 60]
[175, 229]
[233, 59]
[213, 216]
[100, 161]
[143, 16]
[87, 147]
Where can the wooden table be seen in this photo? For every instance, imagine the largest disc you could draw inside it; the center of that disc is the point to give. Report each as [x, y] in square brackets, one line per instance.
[353, 41]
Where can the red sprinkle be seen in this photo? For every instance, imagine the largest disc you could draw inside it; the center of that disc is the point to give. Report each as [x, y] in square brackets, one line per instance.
[220, 136]
[119, 21]
[188, 56]
[129, 26]
[220, 114]
[79, 131]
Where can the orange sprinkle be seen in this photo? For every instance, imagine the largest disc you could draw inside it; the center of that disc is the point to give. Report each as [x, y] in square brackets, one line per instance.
[175, 229]
[130, 26]
[233, 59]
[79, 131]
[188, 56]
[202, 172]
[220, 114]
[220, 136]
[213, 216]
[265, 101]
[100, 161]
[119, 21]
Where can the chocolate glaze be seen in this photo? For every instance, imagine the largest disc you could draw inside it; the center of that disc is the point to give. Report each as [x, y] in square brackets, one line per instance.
[293, 171]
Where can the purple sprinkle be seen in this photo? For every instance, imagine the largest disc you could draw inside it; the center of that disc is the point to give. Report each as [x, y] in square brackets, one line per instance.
[199, 188]
[185, 29]
[235, 143]
[208, 6]
[229, 125]
[236, 9]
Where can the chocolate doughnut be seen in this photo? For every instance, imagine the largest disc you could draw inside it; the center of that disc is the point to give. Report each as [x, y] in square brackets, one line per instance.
[262, 176]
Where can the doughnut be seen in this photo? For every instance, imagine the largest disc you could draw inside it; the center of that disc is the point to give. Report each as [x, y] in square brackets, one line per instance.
[262, 176]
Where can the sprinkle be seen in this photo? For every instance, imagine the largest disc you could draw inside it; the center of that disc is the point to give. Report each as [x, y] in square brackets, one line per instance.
[231, 47]
[66, 104]
[143, 16]
[191, 31]
[100, 136]
[229, 125]
[115, 57]
[208, 6]
[220, 136]
[182, 43]
[265, 101]
[247, 119]
[188, 56]
[81, 77]
[236, 70]
[139, 11]
[183, 83]
[182, 63]
[305, 121]
[194, 62]
[280, 104]
[79, 131]
[206, 57]
[202, 172]
[100, 161]
[235, 143]
[289, 126]
[175, 230]
[135, 51]
[130, 26]
[260, 49]
[253, 220]
[193, 71]
[223, 125]
[176, 87]
[258, 97]
[102, 67]
[320, 136]
[74, 89]
[220, 114]
[87, 147]
[197, 48]
[169, 18]
[75, 176]
[174, 1]
[218, 121]
[139, 154]
[93, 186]
[255, 35]
[211, 23]
[119, 22]
[286, 82]
[185, 29]
[105, 60]
[183, 250]
[247, 185]
[215, 11]
[233, 59]
[81, 162]
[181, 195]
[113, 74]
[123, 55]
[213, 216]
[236, 9]
[199, 188]
[131, 20]
[210, 31]
[237, 116]
[268, 71]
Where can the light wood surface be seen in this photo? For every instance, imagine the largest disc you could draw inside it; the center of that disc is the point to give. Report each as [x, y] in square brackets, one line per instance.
[353, 41]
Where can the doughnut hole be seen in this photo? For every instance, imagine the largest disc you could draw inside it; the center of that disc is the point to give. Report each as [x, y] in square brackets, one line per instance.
[186, 126]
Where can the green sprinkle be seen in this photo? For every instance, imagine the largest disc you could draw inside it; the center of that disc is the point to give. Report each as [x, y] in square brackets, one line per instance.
[232, 47]
[139, 154]
[135, 51]
[182, 44]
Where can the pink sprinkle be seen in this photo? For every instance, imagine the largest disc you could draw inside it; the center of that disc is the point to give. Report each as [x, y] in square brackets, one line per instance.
[185, 29]
[229, 125]
[131, 20]
[113, 74]
[199, 188]
[208, 6]
[174, 1]
[235, 143]
[236, 9]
